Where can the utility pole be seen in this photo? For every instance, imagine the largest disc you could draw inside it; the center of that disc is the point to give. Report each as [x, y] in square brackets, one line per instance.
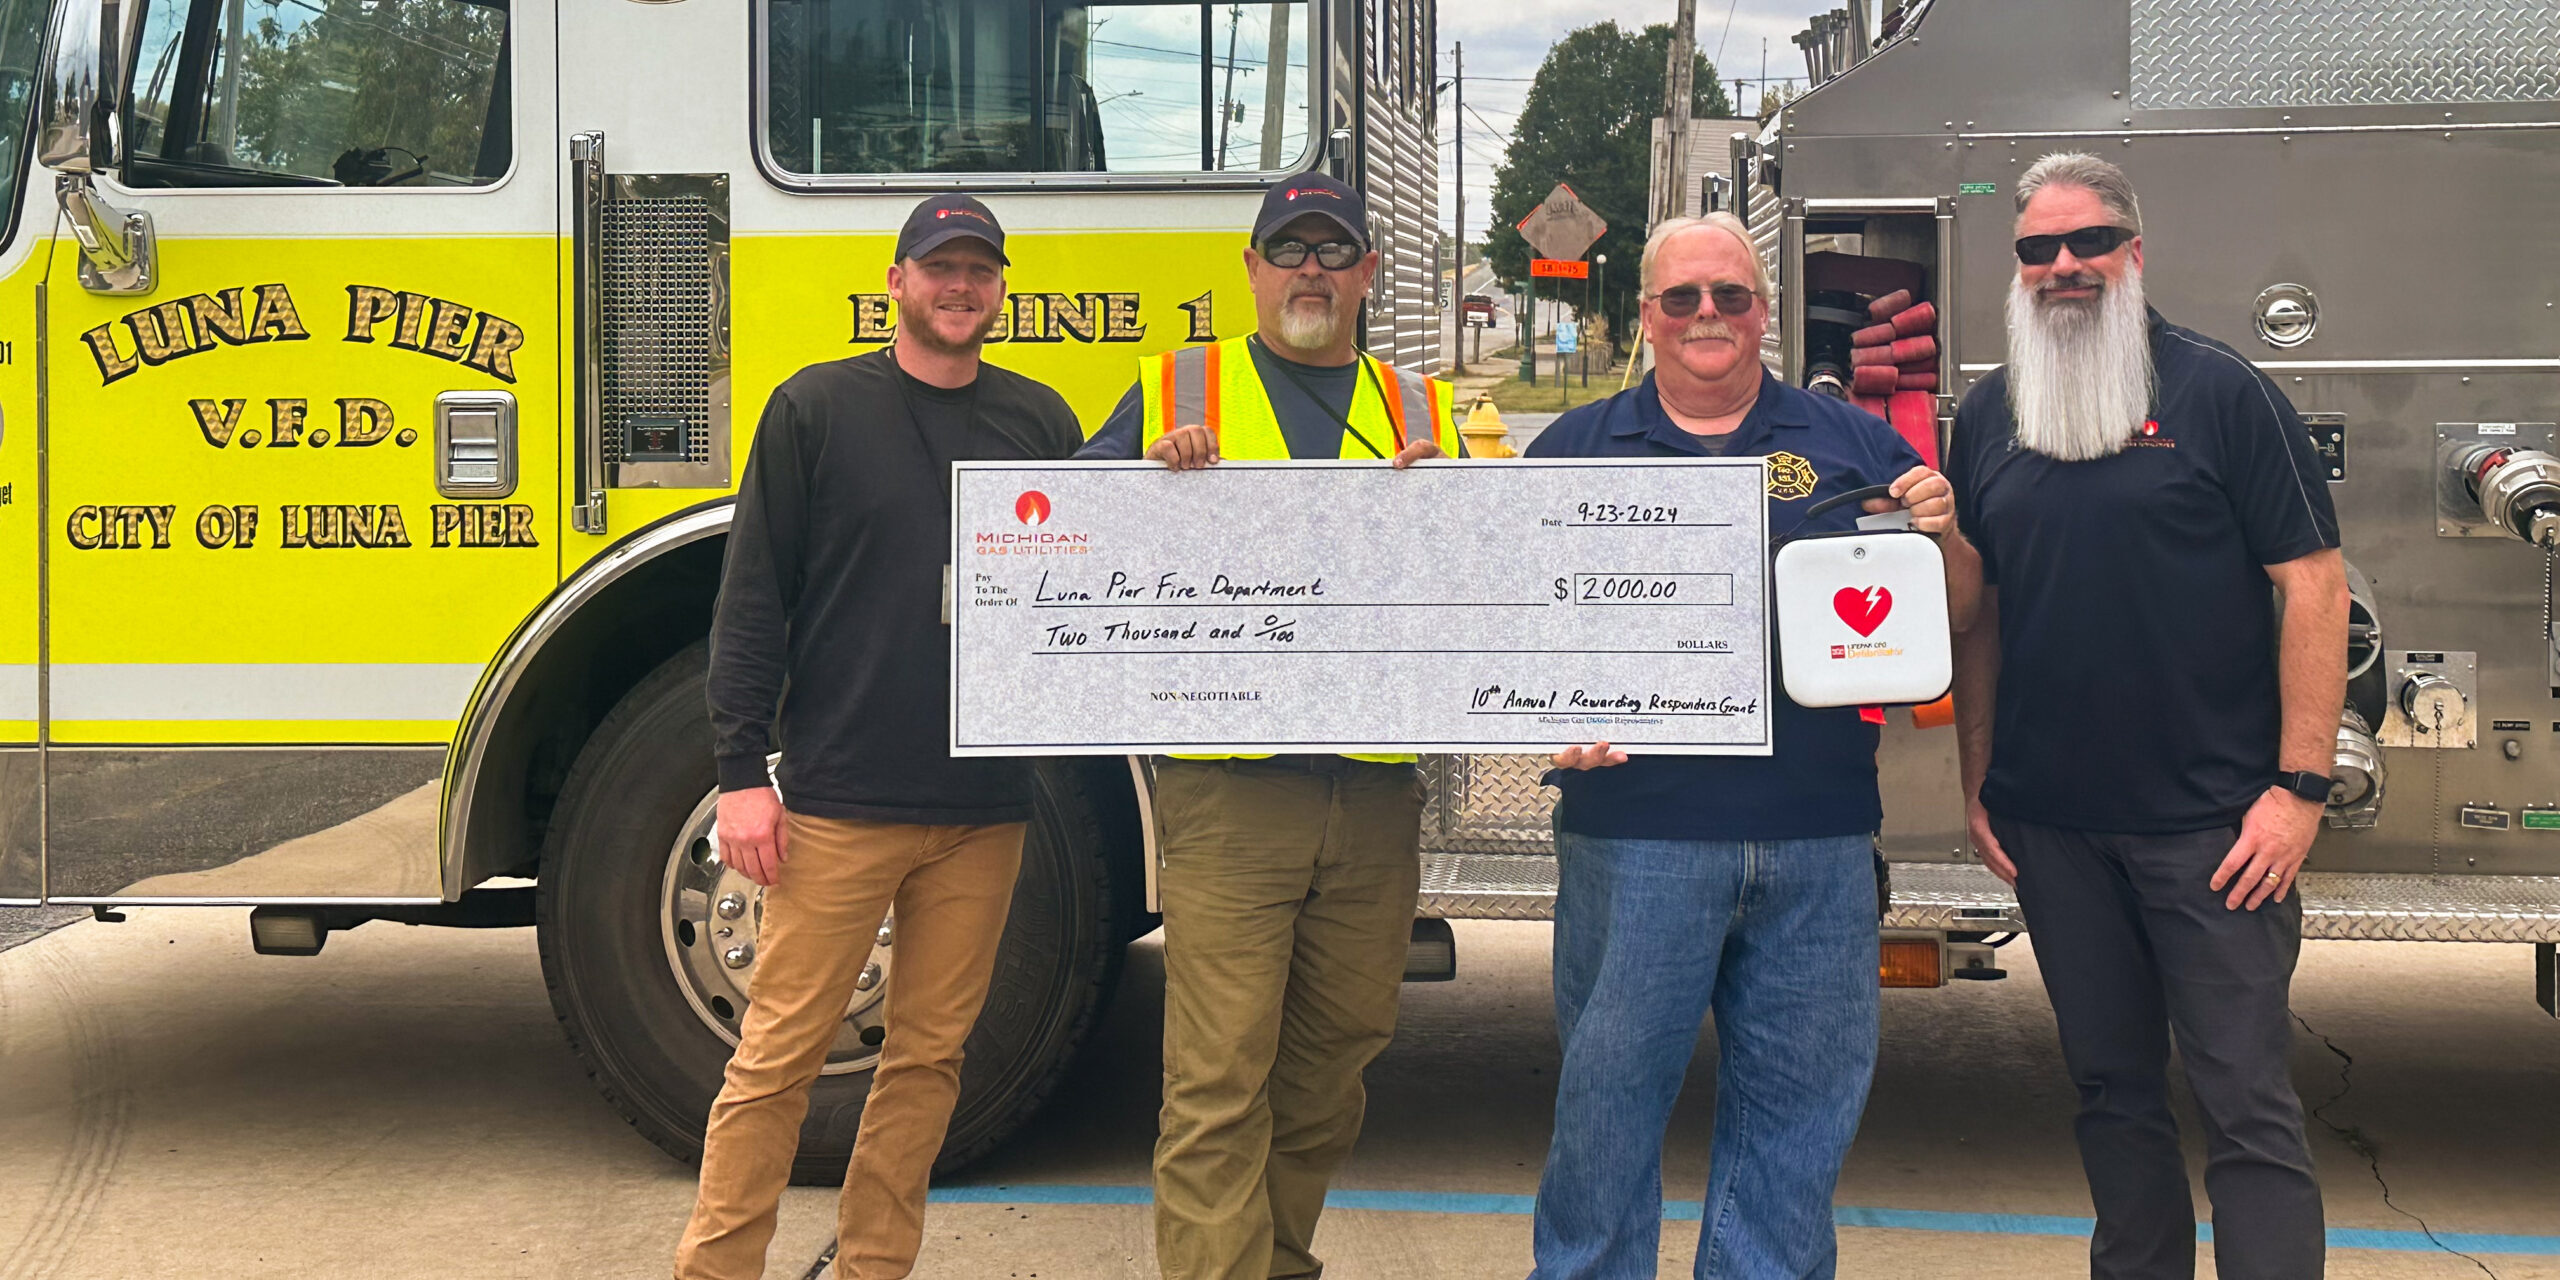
[1677, 87]
[1275, 86]
[1227, 96]
[1458, 118]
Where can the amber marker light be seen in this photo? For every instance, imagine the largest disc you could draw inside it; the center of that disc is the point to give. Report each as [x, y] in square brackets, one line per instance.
[1909, 962]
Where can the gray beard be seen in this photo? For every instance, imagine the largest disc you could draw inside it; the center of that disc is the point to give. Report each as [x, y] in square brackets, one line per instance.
[2080, 373]
[1303, 332]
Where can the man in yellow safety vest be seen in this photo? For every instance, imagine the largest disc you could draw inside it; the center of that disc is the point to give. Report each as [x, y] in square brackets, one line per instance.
[1288, 881]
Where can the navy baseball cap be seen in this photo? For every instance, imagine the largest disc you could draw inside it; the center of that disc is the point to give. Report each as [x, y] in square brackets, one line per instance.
[1298, 195]
[941, 219]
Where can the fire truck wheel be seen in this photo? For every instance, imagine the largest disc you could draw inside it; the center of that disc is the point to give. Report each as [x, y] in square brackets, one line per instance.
[648, 943]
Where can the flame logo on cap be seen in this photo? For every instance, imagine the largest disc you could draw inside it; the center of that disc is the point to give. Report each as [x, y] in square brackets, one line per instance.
[1032, 507]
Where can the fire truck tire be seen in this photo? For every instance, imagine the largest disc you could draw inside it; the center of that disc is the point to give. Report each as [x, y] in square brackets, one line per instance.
[635, 785]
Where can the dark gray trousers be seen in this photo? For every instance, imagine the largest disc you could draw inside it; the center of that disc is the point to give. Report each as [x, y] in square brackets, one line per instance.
[2135, 945]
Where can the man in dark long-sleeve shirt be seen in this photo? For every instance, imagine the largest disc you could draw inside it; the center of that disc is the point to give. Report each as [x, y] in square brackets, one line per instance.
[829, 645]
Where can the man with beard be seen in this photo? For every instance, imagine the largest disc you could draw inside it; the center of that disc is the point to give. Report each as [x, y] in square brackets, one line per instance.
[2145, 728]
[1738, 885]
[1288, 881]
[837, 589]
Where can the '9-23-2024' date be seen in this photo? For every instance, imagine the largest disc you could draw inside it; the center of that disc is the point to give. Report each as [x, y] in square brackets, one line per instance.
[1624, 513]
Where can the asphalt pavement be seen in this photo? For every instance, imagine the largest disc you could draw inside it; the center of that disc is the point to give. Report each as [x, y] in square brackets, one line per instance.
[402, 1106]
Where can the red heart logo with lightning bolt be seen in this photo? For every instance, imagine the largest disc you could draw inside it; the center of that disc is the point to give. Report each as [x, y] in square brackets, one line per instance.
[1863, 608]
[1032, 507]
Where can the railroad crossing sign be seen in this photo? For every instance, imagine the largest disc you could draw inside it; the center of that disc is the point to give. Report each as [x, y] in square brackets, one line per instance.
[1562, 226]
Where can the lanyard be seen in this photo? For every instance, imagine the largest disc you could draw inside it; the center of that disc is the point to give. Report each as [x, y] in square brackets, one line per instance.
[1342, 420]
[940, 466]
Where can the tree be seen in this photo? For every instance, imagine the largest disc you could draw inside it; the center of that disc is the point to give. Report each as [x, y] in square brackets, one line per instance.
[320, 80]
[1588, 122]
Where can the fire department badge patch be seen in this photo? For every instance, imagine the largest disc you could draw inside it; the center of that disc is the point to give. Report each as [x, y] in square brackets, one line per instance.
[1790, 477]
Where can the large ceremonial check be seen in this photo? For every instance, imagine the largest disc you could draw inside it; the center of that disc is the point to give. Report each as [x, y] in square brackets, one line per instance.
[1455, 606]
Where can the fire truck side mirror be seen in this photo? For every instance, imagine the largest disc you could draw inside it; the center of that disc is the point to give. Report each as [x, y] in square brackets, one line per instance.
[81, 136]
[81, 127]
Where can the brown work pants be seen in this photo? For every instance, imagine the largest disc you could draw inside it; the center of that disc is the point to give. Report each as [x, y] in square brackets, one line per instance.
[1288, 906]
[952, 887]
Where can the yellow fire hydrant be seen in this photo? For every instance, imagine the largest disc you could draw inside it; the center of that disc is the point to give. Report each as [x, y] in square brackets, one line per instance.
[1484, 432]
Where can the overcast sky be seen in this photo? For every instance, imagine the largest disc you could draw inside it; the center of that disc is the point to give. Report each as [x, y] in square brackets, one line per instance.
[1507, 39]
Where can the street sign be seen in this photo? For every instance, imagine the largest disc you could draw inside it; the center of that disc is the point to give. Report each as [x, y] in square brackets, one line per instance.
[1559, 269]
[1562, 226]
[1568, 337]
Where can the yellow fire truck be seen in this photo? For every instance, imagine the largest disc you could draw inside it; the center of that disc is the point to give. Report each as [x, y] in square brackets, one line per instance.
[374, 375]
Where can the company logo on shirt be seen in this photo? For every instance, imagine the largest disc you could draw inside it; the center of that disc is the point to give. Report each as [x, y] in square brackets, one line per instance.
[2148, 436]
[1032, 507]
[1790, 477]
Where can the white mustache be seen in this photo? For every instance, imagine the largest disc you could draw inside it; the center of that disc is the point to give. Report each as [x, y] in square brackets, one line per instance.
[1702, 329]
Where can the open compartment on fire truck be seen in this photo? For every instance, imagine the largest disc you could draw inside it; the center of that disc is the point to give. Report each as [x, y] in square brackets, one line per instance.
[1867, 307]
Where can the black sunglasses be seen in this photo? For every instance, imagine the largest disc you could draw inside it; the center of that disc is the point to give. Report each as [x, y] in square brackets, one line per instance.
[1681, 302]
[1332, 255]
[2085, 243]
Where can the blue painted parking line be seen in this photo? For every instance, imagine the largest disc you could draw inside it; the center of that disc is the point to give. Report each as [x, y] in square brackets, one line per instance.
[1995, 1224]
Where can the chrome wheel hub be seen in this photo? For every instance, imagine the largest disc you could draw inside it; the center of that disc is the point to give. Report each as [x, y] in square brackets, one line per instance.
[707, 921]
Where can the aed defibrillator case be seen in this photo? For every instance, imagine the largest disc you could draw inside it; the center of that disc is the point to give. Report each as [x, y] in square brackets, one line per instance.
[1862, 618]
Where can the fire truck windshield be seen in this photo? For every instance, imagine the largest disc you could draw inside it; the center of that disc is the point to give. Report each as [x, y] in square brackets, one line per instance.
[1003, 86]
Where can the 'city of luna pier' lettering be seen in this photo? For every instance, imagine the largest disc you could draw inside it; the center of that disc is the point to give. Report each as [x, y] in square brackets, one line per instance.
[1123, 587]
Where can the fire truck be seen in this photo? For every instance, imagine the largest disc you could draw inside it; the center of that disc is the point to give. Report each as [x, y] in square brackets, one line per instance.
[375, 375]
[2329, 189]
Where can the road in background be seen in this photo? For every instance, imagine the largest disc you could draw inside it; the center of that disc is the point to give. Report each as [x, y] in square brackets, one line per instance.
[402, 1106]
[1505, 330]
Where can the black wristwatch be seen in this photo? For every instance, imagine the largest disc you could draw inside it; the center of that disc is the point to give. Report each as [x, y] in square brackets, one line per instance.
[2314, 787]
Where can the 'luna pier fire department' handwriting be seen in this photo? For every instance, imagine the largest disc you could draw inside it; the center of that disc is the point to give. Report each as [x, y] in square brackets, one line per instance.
[1304, 606]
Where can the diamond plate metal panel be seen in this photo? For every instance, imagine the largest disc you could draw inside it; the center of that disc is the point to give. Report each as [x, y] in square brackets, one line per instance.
[1487, 804]
[2295, 53]
[1488, 855]
[2335, 905]
[1488, 886]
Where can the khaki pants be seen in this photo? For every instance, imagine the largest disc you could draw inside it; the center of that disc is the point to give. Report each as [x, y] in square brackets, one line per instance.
[952, 887]
[1288, 905]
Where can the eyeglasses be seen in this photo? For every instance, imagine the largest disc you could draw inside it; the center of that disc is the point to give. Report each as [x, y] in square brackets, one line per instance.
[2085, 243]
[1332, 255]
[1681, 302]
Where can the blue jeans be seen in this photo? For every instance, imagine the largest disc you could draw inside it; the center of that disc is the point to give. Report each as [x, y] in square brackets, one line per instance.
[1778, 938]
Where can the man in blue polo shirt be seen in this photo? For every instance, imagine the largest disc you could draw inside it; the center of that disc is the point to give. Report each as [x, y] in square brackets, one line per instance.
[1744, 885]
